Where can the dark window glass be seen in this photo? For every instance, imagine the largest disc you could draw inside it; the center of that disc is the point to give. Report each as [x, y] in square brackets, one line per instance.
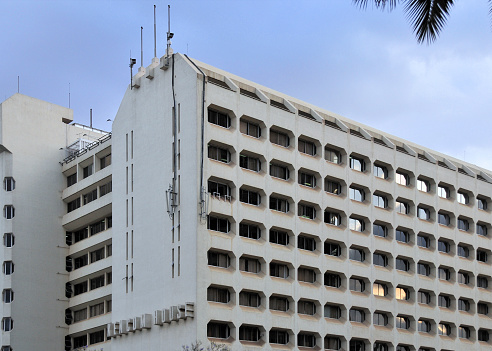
[279, 237]
[219, 118]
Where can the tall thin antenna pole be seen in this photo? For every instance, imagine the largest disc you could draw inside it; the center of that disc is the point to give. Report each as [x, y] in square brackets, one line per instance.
[169, 34]
[91, 118]
[68, 94]
[18, 84]
[155, 35]
[141, 46]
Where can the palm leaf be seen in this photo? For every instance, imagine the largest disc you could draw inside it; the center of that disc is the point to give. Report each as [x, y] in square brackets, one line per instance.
[378, 3]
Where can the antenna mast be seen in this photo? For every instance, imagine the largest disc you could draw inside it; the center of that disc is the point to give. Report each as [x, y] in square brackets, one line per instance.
[155, 34]
[141, 46]
[169, 34]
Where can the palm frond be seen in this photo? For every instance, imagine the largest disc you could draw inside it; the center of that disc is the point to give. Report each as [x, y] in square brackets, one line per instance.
[428, 17]
[378, 3]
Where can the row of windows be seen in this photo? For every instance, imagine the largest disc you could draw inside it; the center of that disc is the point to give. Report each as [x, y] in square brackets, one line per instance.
[86, 285]
[81, 341]
[87, 312]
[89, 170]
[93, 229]
[88, 257]
[89, 197]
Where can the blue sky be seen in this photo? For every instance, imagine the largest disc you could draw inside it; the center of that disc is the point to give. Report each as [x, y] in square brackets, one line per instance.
[364, 65]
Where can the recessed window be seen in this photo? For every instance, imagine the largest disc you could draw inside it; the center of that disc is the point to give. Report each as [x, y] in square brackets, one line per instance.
[81, 261]
[333, 187]
[96, 310]
[279, 171]
[423, 185]
[8, 183]
[249, 162]
[444, 301]
[443, 192]
[333, 312]
[278, 336]
[380, 259]
[333, 156]
[357, 345]
[218, 330]
[464, 332]
[379, 289]
[307, 147]
[306, 307]
[482, 282]
[306, 243]
[357, 164]
[380, 171]
[249, 264]
[279, 237]
[80, 315]
[89, 197]
[462, 198]
[7, 324]
[97, 282]
[463, 278]
[482, 255]
[481, 229]
[8, 267]
[424, 297]
[356, 194]
[306, 340]
[379, 201]
[357, 284]
[73, 205]
[402, 264]
[96, 337]
[463, 251]
[307, 179]
[357, 254]
[97, 255]
[463, 305]
[279, 138]
[483, 335]
[219, 154]
[218, 224]
[249, 299]
[380, 230]
[104, 161]
[87, 171]
[219, 189]
[482, 203]
[333, 280]
[216, 294]
[80, 288]
[306, 275]
[9, 211]
[357, 315]
[463, 224]
[279, 270]
[332, 249]
[278, 204]
[8, 295]
[251, 231]
[356, 224]
[249, 197]
[402, 293]
[333, 343]
[402, 207]
[423, 241]
[402, 178]
[249, 128]
[443, 219]
[332, 218]
[380, 346]
[105, 188]
[402, 322]
[443, 246]
[218, 259]
[219, 118]
[402, 236]
[8, 240]
[444, 273]
[306, 211]
[444, 329]
[380, 319]
[71, 179]
[423, 269]
[482, 308]
[279, 303]
[423, 213]
[424, 326]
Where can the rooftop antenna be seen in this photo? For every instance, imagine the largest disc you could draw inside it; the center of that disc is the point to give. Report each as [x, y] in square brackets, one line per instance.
[68, 94]
[91, 119]
[155, 35]
[169, 34]
[141, 46]
[132, 62]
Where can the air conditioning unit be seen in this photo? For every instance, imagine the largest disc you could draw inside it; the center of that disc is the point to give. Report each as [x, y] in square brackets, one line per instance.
[137, 323]
[158, 317]
[124, 326]
[130, 325]
[181, 312]
[146, 321]
[166, 315]
[174, 313]
[190, 310]
[116, 328]
[110, 330]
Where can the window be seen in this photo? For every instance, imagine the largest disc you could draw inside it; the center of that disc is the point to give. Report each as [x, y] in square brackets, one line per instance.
[463, 278]
[423, 213]
[249, 162]
[80, 341]
[307, 179]
[424, 297]
[87, 171]
[218, 224]
[81, 261]
[249, 264]
[8, 183]
[356, 284]
[444, 301]
[357, 164]
[402, 322]
[380, 230]
[463, 305]
[219, 154]
[105, 161]
[97, 227]
[402, 264]
[380, 172]
[96, 310]
[279, 270]
[218, 259]
[333, 280]
[463, 251]
[8, 267]
[332, 249]
[402, 293]
[249, 299]
[463, 224]
[379, 289]
[423, 241]
[279, 237]
[80, 288]
[306, 307]
[482, 308]
[405, 348]
[251, 231]
[483, 335]
[89, 197]
[333, 218]
[220, 189]
[73, 205]
[279, 171]
[96, 337]
[482, 282]
[248, 128]
[97, 255]
[333, 156]
[306, 340]
[249, 197]
[332, 343]
[402, 207]
[380, 319]
[423, 269]
[219, 118]
[357, 315]
[71, 179]
[380, 346]
[402, 236]
[279, 303]
[307, 147]
[216, 294]
[106, 188]
[218, 330]
[7, 295]
[333, 311]
[9, 211]
[306, 243]
[276, 336]
[443, 219]
[423, 185]
[306, 211]
[380, 259]
[356, 224]
[444, 273]
[8, 240]
[356, 194]
[482, 255]
[444, 329]
[97, 282]
[443, 191]
[7, 324]
[481, 229]
[80, 315]
[357, 345]
[279, 138]
[424, 326]
[462, 198]
[278, 204]
[333, 187]
[357, 255]
[443, 246]
[402, 179]
[379, 201]
[481, 203]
